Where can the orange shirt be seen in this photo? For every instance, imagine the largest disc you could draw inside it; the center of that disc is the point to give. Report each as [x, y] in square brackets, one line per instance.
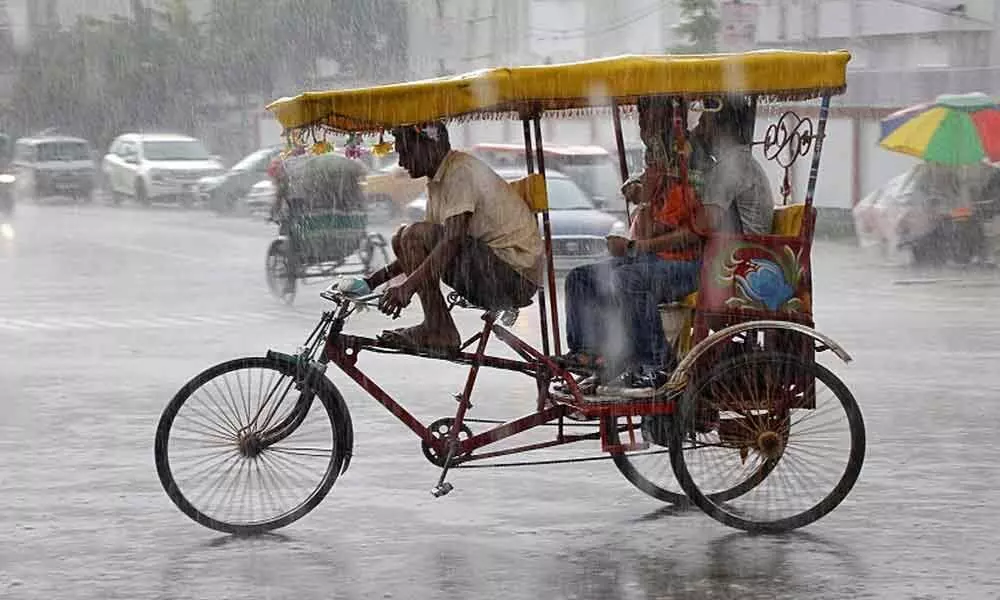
[675, 211]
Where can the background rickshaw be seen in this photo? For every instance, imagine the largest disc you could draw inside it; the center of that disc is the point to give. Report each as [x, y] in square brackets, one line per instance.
[751, 412]
[322, 223]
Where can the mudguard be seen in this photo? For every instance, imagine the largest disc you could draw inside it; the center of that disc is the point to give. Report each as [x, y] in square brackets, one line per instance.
[680, 375]
[322, 384]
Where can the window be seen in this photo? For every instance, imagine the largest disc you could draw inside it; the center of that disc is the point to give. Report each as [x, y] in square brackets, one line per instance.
[596, 174]
[63, 151]
[256, 161]
[128, 151]
[565, 195]
[174, 150]
[24, 153]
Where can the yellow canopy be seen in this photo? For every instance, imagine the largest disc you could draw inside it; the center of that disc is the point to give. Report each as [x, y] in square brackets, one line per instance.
[777, 74]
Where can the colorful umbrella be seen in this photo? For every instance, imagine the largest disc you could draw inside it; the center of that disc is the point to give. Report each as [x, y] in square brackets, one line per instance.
[954, 130]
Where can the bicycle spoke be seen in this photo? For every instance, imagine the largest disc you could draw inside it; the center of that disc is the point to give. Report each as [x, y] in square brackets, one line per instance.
[224, 467]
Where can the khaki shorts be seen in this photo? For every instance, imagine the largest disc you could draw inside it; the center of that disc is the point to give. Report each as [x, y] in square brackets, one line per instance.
[483, 278]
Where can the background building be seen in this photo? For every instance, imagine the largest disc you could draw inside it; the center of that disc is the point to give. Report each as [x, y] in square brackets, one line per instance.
[904, 52]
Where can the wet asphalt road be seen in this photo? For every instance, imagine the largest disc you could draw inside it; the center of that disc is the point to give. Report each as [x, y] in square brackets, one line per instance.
[105, 313]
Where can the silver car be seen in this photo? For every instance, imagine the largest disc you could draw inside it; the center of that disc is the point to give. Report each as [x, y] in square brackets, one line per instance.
[578, 228]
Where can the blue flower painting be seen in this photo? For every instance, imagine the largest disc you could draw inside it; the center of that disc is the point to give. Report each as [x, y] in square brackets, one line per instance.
[765, 283]
[768, 282]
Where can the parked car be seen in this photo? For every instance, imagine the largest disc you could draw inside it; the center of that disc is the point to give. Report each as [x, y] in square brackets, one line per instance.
[635, 158]
[259, 198]
[49, 166]
[391, 188]
[592, 168]
[222, 192]
[579, 229]
[157, 167]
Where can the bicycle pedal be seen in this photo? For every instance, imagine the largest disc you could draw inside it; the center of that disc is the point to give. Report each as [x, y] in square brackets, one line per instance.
[442, 489]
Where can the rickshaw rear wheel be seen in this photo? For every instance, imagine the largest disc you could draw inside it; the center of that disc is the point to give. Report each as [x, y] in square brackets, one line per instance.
[651, 472]
[786, 413]
[249, 445]
[280, 271]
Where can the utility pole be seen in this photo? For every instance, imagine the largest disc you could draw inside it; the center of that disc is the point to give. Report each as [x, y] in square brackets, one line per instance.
[497, 53]
[440, 27]
[856, 123]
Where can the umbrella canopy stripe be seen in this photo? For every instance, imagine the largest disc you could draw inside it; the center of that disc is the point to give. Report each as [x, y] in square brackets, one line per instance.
[900, 117]
[988, 124]
[956, 141]
[916, 135]
[955, 130]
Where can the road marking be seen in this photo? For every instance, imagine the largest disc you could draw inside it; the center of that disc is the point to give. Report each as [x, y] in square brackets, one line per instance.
[19, 324]
[155, 252]
[83, 322]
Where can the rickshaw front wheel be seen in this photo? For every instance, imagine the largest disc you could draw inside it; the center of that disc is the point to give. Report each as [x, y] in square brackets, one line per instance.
[250, 445]
[784, 417]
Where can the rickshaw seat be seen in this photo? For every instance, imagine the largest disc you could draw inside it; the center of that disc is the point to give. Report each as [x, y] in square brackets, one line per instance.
[532, 190]
[788, 220]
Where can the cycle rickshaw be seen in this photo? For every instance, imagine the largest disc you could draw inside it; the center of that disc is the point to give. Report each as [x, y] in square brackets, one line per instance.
[322, 223]
[760, 435]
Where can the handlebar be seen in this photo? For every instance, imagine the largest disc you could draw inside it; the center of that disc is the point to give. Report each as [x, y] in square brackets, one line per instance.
[336, 296]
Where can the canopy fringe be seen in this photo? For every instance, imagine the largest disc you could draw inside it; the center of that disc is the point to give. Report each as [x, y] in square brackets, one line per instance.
[627, 106]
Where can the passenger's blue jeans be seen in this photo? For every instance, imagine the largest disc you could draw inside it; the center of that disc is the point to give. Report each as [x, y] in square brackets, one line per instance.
[644, 284]
[593, 308]
[611, 307]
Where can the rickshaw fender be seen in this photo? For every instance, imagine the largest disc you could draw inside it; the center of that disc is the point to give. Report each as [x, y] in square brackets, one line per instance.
[679, 377]
[323, 385]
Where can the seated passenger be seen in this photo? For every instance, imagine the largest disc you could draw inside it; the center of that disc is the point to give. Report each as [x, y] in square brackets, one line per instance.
[596, 329]
[736, 199]
[479, 237]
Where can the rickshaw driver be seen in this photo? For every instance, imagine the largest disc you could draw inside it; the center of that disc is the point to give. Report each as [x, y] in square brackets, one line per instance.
[479, 238]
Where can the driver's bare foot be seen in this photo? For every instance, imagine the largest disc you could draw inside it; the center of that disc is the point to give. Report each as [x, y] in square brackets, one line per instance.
[423, 336]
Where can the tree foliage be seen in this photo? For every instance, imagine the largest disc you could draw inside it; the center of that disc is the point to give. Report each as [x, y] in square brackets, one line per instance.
[159, 67]
[699, 25]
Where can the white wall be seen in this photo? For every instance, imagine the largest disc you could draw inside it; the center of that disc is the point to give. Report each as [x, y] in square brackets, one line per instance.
[874, 17]
[878, 165]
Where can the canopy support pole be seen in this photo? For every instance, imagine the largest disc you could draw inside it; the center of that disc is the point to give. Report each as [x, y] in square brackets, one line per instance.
[529, 159]
[620, 145]
[547, 232]
[824, 112]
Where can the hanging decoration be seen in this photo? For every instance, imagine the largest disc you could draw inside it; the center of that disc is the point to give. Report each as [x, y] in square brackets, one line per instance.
[353, 148]
[382, 148]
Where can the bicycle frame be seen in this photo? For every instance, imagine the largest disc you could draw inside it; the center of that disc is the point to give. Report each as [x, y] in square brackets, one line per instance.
[343, 350]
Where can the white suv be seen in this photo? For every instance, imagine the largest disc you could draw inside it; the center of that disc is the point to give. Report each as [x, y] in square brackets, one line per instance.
[163, 167]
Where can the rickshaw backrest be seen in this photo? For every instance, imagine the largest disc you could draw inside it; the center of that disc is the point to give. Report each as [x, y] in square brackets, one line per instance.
[789, 220]
[532, 190]
[745, 277]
